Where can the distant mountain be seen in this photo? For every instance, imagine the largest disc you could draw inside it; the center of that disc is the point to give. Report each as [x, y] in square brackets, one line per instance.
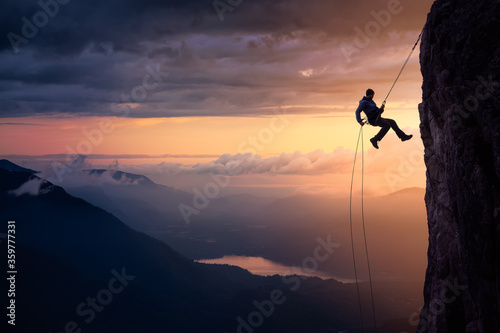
[134, 199]
[8, 165]
[417, 191]
[70, 254]
[283, 230]
[123, 176]
[89, 240]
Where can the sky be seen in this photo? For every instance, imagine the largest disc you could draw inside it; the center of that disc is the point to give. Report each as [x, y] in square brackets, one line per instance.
[178, 89]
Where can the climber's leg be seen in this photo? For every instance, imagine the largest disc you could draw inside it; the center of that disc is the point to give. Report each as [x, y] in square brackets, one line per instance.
[382, 122]
[386, 124]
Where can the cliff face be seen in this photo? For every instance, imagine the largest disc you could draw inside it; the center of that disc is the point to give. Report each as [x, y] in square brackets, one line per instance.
[460, 128]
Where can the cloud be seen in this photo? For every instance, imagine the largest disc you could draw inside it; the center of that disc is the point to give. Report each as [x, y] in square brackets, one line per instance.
[91, 53]
[396, 165]
[392, 157]
[315, 162]
[79, 24]
[82, 174]
[30, 187]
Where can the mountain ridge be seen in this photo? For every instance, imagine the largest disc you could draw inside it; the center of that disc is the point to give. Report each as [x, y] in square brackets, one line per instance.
[8, 165]
[173, 292]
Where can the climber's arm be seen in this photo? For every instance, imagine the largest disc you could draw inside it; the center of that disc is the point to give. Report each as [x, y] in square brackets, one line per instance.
[358, 113]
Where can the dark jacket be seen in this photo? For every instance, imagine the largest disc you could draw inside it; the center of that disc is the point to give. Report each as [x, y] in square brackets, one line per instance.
[369, 107]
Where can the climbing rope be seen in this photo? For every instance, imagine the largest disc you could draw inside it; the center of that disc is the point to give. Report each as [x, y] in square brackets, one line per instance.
[404, 65]
[402, 69]
[364, 229]
[361, 136]
[352, 237]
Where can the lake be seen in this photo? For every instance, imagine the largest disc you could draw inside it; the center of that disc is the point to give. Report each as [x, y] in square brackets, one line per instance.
[265, 267]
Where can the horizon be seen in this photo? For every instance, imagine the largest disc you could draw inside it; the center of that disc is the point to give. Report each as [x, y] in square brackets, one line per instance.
[86, 168]
[225, 86]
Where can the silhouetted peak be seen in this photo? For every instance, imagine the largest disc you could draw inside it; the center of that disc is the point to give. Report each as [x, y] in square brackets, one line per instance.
[8, 165]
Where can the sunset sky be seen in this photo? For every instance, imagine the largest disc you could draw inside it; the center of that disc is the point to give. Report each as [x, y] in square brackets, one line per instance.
[166, 88]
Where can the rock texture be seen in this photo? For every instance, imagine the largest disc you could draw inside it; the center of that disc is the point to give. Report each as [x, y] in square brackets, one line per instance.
[460, 128]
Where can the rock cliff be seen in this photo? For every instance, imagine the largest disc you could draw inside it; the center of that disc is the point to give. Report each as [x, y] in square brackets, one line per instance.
[460, 128]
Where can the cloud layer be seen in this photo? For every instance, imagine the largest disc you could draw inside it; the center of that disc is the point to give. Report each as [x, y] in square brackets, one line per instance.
[393, 157]
[264, 54]
[316, 162]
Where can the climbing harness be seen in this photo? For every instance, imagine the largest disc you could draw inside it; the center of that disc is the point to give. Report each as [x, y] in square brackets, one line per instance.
[360, 136]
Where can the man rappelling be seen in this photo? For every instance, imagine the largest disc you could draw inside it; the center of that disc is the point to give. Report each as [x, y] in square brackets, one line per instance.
[373, 113]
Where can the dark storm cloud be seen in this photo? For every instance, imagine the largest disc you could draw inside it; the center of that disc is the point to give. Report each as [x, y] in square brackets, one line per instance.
[92, 53]
[128, 23]
[78, 23]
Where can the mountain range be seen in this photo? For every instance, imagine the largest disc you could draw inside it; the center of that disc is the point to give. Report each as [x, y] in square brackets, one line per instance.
[280, 229]
[80, 267]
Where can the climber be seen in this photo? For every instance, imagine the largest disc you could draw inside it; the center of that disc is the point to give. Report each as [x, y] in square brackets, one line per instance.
[373, 113]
